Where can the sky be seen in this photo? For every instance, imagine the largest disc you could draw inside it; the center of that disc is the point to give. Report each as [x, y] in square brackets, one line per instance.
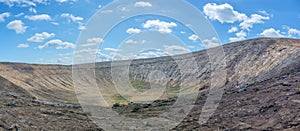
[46, 31]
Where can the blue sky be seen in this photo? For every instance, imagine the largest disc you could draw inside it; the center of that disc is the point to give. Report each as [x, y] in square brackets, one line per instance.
[44, 31]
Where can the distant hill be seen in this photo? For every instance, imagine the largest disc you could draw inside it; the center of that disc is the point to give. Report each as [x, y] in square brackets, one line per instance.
[247, 61]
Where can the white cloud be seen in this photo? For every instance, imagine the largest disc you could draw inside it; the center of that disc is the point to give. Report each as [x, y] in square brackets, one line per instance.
[239, 36]
[264, 12]
[58, 44]
[223, 13]
[20, 14]
[293, 31]
[33, 10]
[81, 27]
[38, 17]
[3, 16]
[23, 46]
[54, 23]
[95, 40]
[151, 54]
[23, 3]
[210, 43]
[111, 49]
[161, 26]
[254, 19]
[88, 44]
[130, 41]
[133, 31]
[18, 26]
[142, 4]
[234, 39]
[193, 37]
[233, 29]
[40, 37]
[271, 32]
[175, 50]
[89, 51]
[63, 1]
[168, 50]
[92, 42]
[71, 17]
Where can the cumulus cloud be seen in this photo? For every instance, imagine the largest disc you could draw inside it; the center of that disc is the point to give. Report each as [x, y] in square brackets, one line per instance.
[193, 37]
[133, 31]
[20, 14]
[263, 12]
[142, 4]
[175, 50]
[18, 26]
[38, 17]
[233, 29]
[95, 40]
[111, 49]
[92, 42]
[41, 37]
[234, 39]
[239, 36]
[54, 23]
[151, 54]
[223, 13]
[210, 43]
[161, 26]
[271, 32]
[131, 41]
[81, 27]
[254, 19]
[23, 3]
[58, 44]
[23, 46]
[3, 16]
[63, 1]
[33, 10]
[293, 31]
[71, 17]
[167, 50]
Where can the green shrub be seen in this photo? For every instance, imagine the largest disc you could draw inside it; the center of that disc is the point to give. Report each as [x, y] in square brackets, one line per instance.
[298, 90]
[136, 107]
[227, 93]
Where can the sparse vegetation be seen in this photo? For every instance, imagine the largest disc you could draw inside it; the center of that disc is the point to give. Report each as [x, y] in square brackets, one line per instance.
[256, 88]
[136, 107]
[298, 90]
[120, 100]
[140, 84]
[227, 93]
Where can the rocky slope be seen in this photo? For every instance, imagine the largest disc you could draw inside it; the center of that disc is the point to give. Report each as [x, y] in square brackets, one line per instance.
[261, 89]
